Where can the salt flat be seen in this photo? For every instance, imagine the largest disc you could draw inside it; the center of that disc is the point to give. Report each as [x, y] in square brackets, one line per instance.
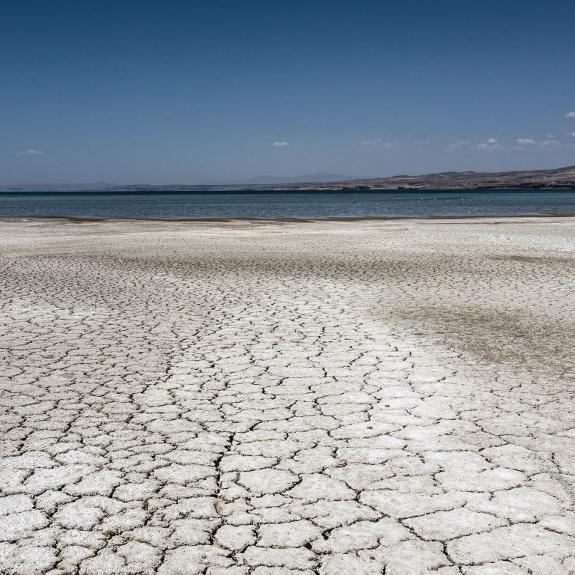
[269, 398]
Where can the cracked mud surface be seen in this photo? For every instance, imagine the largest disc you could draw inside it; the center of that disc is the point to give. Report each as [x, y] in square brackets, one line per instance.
[287, 398]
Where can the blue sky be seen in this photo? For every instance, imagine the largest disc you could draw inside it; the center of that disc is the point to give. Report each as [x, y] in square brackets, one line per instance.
[168, 92]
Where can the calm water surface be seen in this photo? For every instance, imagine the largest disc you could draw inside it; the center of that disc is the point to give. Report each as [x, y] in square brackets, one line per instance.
[301, 204]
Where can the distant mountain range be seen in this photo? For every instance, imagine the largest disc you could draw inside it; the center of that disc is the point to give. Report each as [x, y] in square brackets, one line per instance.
[535, 179]
[527, 179]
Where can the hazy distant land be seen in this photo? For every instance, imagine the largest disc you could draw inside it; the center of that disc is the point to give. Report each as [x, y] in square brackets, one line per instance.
[527, 179]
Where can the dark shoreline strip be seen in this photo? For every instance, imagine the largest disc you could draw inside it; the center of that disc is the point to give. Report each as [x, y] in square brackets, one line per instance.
[290, 191]
[88, 219]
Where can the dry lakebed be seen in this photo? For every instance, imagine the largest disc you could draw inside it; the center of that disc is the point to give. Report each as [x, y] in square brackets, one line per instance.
[287, 398]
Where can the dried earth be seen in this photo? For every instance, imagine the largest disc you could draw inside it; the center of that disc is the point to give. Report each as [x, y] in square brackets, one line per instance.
[244, 398]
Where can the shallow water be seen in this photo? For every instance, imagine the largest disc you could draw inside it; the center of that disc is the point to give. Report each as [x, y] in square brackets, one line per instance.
[293, 204]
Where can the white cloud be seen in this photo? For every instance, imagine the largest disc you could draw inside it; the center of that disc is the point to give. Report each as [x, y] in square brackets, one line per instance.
[550, 145]
[571, 134]
[378, 142]
[489, 144]
[526, 141]
[31, 153]
[570, 114]
[281, 144]
[456, 146]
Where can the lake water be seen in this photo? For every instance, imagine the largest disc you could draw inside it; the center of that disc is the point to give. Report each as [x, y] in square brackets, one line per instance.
[293, 204]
